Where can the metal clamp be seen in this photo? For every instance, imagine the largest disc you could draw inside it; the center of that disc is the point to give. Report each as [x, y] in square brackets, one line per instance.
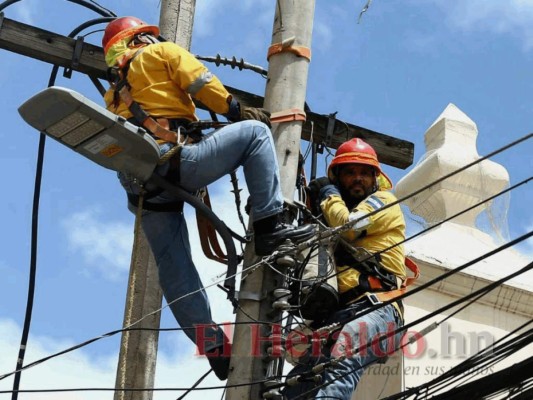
[254, 296]
[373, 299]
[76, 56]
[330, 128]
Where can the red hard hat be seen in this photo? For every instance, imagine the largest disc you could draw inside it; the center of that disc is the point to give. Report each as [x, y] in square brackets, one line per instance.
[357, 151]
[123, 27]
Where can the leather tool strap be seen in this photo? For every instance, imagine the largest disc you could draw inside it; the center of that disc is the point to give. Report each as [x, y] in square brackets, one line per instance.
[208, 236]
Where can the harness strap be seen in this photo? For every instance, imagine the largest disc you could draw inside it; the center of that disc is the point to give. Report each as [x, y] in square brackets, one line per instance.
[376, 291]
[145, 119]
[175, 206]
[208, 236]
[292, 114]
[392, 294]
[160, 127]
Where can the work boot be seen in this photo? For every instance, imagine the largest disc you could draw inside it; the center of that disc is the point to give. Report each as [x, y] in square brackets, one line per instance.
[219, 359]
[271, 232]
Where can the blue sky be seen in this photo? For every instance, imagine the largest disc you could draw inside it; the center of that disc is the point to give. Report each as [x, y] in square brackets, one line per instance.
[395, 72]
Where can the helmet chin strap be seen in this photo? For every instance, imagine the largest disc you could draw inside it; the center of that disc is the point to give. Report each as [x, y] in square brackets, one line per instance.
[376, 186]
[145, 38]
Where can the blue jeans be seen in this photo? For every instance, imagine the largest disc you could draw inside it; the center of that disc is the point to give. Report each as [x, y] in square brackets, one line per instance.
[355, 334]
[247, 143]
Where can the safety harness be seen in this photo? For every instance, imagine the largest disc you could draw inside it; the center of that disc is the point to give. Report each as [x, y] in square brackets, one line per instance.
[178, 132]
[165, 129]
[375, 283]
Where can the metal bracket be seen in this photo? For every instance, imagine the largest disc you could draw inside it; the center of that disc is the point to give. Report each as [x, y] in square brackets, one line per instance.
[76, 56]
[330, 128]
[241, 295]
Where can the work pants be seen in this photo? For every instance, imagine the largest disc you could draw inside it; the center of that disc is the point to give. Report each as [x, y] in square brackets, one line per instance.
[248, 144]
[340, 382]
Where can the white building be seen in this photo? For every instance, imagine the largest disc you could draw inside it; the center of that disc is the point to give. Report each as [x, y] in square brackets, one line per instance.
[451, 144]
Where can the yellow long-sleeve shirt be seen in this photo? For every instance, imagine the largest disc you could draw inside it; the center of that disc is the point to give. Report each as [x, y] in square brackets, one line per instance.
[164, 78]
[386, 228]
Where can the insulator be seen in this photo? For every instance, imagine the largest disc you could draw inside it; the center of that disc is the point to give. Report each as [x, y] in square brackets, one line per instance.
[336, 361]
[295, 380]
[318, 368]
[276, 351]
[281, 305]
[286, 261]
[282, 296]
[273, 394]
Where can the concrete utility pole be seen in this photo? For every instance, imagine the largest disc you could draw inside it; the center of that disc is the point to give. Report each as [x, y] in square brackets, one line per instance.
[286, 89]
[138, 349]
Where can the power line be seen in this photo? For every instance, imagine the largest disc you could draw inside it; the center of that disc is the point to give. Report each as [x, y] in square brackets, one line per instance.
[489, 356]
[410, 293]
[483, 290]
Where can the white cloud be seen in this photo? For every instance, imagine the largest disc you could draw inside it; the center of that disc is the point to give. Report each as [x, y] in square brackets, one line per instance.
[75, 369]
[79, 369]
[323, 36]
[105, 245]
[95, 239]
[25, 12]
[179, 367]
[511, 17]
[209, 21]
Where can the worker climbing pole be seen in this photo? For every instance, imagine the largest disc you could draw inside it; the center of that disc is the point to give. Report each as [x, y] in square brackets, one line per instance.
[138, 349]
[137, 140]
[289, 56]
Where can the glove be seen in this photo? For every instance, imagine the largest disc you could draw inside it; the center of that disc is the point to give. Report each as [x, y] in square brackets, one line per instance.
[316, 184]
[258, 114]
[237, 112]
[313, 189]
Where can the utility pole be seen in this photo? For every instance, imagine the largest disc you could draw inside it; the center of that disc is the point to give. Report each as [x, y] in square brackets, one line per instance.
[286, 89]
[138, 349]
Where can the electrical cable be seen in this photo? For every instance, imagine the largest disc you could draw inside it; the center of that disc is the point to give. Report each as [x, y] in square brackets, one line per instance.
[498, 348]
[484, 289]
[233, 63]
[78, 2]
[447, 274]
[405, 327]
[92, 5]
[478, 293]
[435, 225]
[195, 384]
[35, 213]
[348, 225]
[100, 389]
[411, 292]
[114, 332]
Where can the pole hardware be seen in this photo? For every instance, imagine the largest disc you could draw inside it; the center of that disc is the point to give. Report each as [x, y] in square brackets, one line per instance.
[76, 56]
